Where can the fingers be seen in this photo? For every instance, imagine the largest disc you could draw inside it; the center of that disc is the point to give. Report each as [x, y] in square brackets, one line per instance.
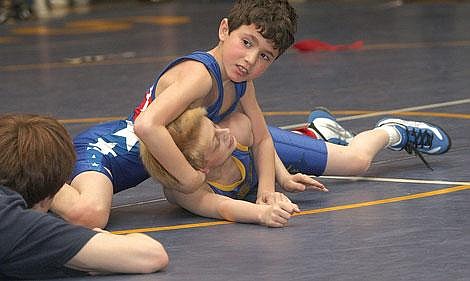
[289, 207]
[279, 218]
[281, 213]
[309, 183]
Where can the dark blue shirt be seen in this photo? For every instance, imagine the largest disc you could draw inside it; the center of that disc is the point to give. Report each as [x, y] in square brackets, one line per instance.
[35, 245]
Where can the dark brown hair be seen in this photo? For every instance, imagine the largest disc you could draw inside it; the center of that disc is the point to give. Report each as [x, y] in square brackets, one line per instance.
[36, 155]
[275, 19]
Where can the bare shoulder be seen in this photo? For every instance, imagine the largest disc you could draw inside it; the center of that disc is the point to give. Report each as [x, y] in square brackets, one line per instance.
[188, 78]
[192, 71]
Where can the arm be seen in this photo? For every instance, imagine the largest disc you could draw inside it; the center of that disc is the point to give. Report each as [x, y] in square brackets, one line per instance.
[110, 253]
[263, 147]
[205, 202]
[150, 126]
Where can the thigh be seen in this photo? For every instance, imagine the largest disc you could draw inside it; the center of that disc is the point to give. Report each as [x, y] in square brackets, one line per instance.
[111, 149]
[300, 153]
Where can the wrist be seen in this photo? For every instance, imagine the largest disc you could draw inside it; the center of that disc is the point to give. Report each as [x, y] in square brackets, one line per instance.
[262, 214]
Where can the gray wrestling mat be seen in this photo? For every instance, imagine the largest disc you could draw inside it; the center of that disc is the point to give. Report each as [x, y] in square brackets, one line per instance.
[401, 221]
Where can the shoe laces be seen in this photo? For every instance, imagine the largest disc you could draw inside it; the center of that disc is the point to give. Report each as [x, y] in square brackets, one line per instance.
[421, 139]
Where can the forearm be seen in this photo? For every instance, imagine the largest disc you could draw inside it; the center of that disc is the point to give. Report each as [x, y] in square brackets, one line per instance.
[241, 211]
[265, 165]
[161, 145]
[205, 202]
[110, 253]
[281, 171]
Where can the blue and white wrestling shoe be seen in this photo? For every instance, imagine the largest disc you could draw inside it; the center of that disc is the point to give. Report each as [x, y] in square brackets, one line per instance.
[325, 126]
[421, 136]
[418, 137]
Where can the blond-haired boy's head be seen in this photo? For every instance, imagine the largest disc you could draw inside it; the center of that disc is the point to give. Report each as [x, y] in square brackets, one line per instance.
[185, 131]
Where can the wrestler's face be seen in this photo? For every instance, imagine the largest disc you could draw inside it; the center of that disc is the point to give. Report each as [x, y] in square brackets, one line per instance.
[218, 143]
[246, 53]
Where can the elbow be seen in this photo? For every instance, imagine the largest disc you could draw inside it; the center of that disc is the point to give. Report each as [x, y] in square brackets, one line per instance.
[188, 189]
[141, 127]
[157, 259]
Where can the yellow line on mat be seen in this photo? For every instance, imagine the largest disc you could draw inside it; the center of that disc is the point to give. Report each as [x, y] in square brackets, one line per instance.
[307, 212]
[385, 201]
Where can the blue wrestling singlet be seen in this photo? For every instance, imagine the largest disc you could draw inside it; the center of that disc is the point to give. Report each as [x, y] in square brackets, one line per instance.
[300, 153]
[213, 111]
[112, 148]
[247, 186]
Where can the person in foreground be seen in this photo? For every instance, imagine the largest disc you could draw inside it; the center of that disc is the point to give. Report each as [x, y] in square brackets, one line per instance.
[36, 159]
[224, 154]
[250, 39]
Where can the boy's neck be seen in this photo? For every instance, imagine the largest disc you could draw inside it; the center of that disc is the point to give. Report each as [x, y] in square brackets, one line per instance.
[216, 53]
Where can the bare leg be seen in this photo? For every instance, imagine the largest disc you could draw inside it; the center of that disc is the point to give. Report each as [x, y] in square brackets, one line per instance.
[87, 201]
[355, 159]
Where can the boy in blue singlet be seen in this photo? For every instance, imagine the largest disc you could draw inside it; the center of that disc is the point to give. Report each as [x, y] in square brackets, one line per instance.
[232, 180]
[251, 38]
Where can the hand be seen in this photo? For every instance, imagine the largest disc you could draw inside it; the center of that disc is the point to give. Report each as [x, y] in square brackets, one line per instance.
[301, 182]
[278, 214]
[269, 198]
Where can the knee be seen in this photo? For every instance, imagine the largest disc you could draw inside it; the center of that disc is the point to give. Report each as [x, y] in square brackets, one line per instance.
[89, 214]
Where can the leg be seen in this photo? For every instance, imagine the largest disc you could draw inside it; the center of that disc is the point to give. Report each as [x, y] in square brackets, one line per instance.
[355, 158]
[87, 201]
[299, 153]
[104, 166]
[316, 157]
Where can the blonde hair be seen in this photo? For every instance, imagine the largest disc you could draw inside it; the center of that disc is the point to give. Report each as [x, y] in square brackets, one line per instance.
[185, 131]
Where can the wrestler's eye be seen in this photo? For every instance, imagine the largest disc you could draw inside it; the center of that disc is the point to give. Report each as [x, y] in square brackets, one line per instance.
[247, 43]
[266, 57]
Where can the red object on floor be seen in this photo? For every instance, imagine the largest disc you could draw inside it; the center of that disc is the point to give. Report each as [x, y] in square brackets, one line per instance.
[306, 132]
[314, 45]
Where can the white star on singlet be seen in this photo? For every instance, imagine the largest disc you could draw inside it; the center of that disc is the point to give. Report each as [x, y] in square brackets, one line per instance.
[129, 135]
[103, 147]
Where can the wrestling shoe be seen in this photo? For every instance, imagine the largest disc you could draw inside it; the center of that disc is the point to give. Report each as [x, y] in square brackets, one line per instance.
[418, 137]
[325, 126]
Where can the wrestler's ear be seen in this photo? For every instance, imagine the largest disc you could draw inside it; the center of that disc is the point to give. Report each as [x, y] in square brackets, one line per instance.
[223, 29]
[204, 170]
